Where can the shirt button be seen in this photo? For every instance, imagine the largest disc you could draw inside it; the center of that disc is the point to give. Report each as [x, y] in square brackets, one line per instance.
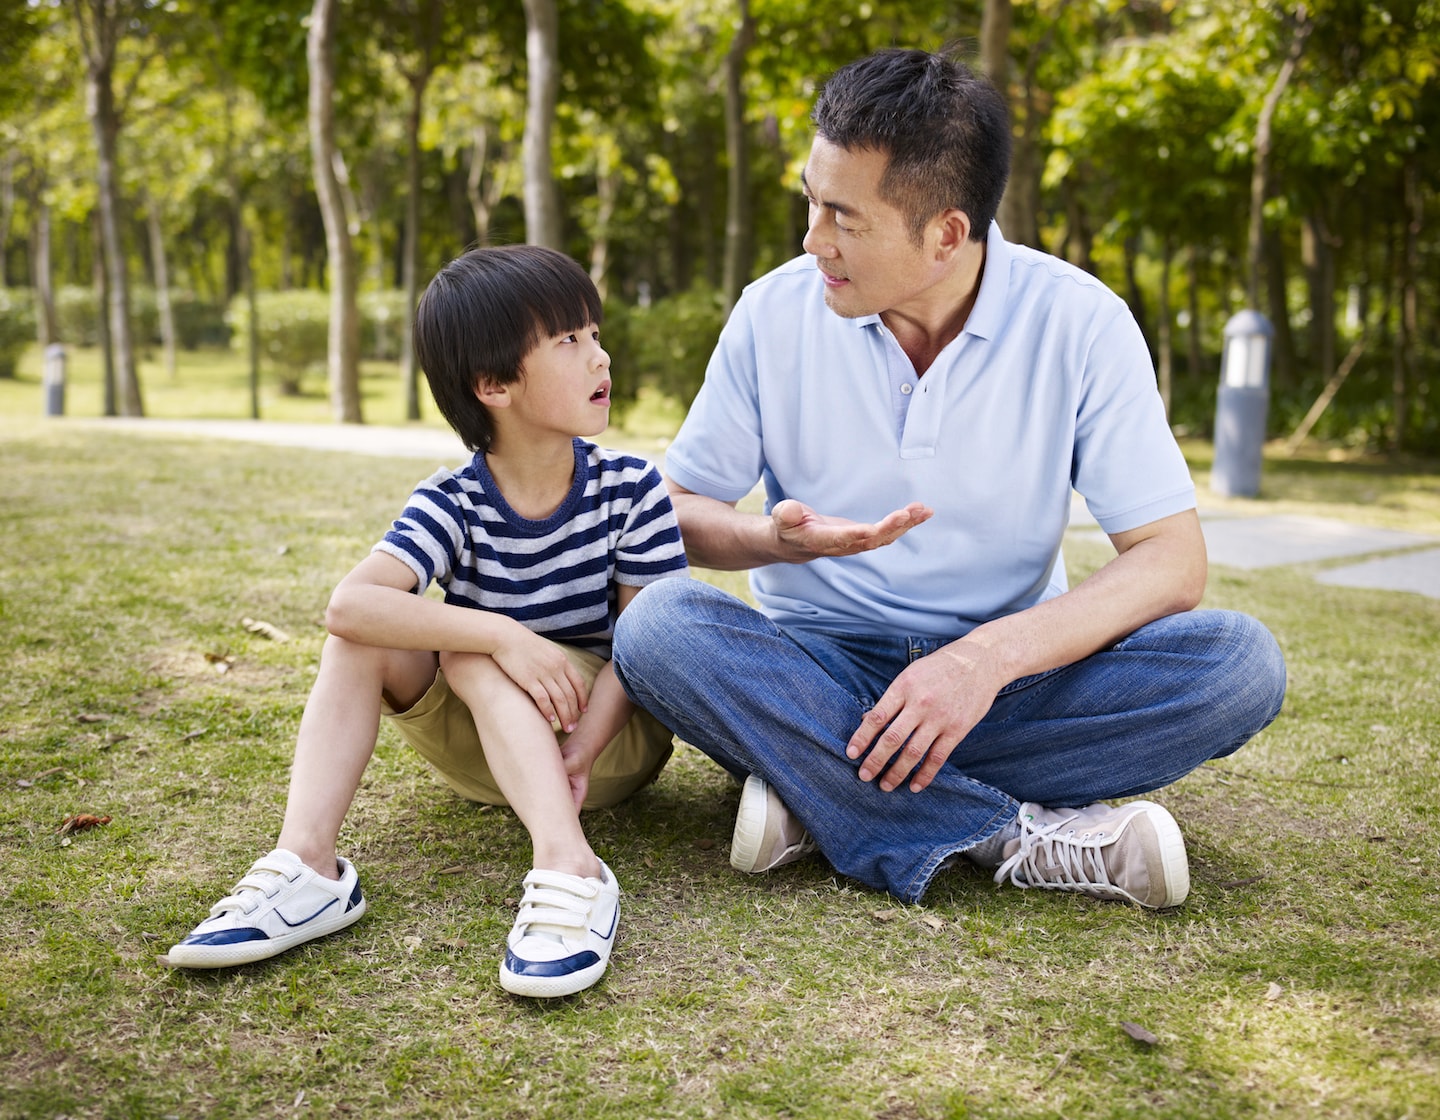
[907, 389]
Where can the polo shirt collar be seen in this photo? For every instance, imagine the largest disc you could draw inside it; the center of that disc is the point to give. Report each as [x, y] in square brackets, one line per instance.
[988, 314]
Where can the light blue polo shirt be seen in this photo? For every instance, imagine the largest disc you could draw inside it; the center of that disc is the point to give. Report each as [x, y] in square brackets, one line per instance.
[1049, 387]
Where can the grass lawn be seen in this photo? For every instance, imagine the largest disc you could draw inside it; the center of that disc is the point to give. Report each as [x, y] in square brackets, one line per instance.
[1302, 978]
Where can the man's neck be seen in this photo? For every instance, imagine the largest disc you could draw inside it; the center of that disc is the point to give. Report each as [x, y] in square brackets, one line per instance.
[925, 327]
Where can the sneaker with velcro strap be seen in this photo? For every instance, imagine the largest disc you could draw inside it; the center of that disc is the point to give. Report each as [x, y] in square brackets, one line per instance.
[279, 904]
[1133, 853]
[562, 937]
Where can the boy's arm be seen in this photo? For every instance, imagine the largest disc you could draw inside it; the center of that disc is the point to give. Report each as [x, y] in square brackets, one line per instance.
[604, 717]
[375, 605]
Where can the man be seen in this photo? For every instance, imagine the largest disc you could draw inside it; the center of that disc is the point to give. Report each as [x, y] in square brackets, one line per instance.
[921, 684]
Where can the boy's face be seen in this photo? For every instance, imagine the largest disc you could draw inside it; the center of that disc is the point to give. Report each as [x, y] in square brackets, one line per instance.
[563, 390]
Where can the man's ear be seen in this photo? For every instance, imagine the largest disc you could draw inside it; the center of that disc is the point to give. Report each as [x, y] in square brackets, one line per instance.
[491, 393]
[952, 230]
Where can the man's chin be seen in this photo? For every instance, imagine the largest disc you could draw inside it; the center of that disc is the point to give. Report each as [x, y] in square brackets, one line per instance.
[836, 301]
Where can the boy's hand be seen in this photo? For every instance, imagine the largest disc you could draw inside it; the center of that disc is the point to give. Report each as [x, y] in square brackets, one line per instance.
[542, 670]
[579, 758]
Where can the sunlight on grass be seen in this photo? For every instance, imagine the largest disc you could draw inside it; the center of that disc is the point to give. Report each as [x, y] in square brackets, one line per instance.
[1299, 979]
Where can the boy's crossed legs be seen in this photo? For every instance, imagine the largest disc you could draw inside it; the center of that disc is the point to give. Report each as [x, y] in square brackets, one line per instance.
[302, 890]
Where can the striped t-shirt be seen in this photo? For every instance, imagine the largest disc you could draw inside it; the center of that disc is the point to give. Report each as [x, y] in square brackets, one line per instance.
[557, 576]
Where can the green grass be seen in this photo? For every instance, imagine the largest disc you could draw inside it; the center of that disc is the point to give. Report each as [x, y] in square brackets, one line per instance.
[1302, 978]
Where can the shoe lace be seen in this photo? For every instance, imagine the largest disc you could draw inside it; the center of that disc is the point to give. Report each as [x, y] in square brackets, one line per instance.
[264, 879]
[555, 905]
[1047, 858]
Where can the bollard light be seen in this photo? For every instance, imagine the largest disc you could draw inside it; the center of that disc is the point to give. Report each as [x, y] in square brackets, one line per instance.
[1241, 405]
[53, 378]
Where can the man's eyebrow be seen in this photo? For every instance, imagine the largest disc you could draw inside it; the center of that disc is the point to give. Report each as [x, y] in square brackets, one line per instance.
[835, 207]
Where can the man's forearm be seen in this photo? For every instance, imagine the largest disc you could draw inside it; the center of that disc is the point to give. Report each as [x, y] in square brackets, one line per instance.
[719, 536]
[1159, 571]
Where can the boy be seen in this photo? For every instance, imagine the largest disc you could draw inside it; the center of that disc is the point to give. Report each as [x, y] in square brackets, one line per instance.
[539, 542]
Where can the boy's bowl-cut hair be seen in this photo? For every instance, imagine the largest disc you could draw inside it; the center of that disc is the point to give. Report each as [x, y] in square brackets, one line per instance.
[481, 316]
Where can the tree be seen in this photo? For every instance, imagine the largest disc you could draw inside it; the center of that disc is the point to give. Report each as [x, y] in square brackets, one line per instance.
[344, 346]
[737, 148]
[542, 58]
[100, 25]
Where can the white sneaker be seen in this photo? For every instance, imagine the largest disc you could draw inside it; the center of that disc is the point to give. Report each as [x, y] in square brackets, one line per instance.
[1134, 853]
[279, 904]
[563, 934]
[767, 835]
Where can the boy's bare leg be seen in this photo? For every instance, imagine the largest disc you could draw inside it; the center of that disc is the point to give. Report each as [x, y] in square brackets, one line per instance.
[337, 737]
[524, 759]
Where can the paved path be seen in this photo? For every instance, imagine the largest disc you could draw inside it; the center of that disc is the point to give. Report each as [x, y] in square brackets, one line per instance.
[1384, 558]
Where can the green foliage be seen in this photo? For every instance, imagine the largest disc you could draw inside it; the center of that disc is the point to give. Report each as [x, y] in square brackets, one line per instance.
[667, 344]
[17, 327]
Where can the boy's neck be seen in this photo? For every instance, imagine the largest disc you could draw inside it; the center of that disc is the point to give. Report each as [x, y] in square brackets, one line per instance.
[534, 477]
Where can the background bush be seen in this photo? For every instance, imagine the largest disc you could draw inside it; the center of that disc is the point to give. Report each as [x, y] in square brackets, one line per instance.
[17, 327]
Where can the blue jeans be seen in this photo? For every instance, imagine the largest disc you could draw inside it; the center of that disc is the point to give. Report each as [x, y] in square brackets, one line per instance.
[783, 704]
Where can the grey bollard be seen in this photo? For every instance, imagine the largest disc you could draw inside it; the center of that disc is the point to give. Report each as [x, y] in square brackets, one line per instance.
[54, 380]
[1242, 405]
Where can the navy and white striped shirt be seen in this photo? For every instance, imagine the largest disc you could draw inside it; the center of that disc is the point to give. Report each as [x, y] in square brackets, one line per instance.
[557, 576]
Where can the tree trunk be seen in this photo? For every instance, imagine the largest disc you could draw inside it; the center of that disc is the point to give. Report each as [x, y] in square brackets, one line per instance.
[483, 193]
[1282, 352]
[738, 224]
[344, 341]
[410, 266]
[162, 288]
[1408, 277]
[542, 58]
[1193, 358]
[1260, 175]
[1164, 370]
[1135, 295]
[1318, 257]
[98, 25]
[43, 278]
[101, 276]
[7, 212]
[995, 22]
[607, 192]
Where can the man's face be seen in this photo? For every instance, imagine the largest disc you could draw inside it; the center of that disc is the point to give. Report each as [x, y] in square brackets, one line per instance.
[861, 243]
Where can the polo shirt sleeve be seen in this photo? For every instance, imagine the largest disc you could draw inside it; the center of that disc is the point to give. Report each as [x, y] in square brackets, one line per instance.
[1126, 463]
[718, 450]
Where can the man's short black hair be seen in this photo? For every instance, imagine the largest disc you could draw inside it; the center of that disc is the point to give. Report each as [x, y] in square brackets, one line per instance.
[945, 130]
[483, 313]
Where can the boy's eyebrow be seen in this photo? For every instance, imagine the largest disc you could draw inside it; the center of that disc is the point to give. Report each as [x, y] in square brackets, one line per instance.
[834, 207]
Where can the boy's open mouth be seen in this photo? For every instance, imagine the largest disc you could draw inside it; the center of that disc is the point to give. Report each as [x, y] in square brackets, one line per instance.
[602, 393]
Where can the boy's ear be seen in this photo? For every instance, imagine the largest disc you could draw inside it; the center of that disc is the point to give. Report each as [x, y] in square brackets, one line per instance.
[491, 393]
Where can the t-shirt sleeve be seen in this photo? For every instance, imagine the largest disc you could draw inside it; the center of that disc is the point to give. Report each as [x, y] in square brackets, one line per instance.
[429, 534]
[1126, 464]
[650, 547]
[718, 451]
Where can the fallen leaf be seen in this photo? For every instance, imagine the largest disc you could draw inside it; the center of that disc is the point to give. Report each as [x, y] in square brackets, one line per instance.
[265, 629]
[451, 870]
[934, 921]
[1274, 991]
[1139, 1034]
[705, 844]
[884, 915]
[79, 822]
[90, 717]
[190, 735]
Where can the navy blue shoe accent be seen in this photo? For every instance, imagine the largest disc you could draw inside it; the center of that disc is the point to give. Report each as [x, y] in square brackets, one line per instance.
[568, 966]
[227, 937]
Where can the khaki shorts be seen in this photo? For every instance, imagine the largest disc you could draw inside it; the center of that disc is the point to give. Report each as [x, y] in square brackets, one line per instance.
[440, 728]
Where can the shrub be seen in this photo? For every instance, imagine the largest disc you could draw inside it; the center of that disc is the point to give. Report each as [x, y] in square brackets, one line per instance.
[294, 332]
[382, 321]
[17, 327]
[666, 345]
